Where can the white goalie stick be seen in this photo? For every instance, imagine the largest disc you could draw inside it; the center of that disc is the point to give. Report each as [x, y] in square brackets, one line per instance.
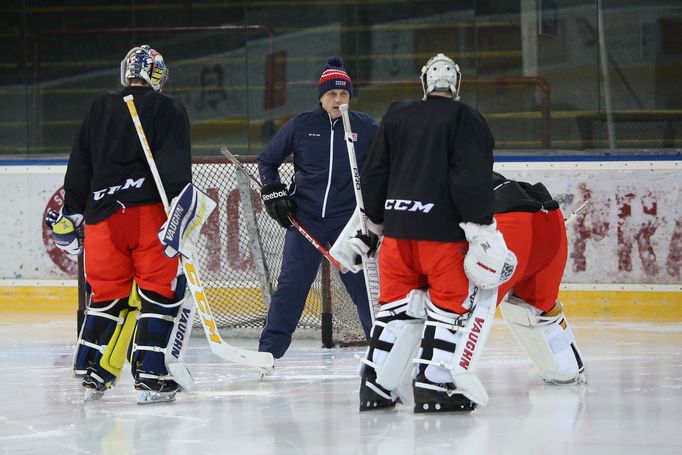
[262, 360]
[304, 232]
[370, 267]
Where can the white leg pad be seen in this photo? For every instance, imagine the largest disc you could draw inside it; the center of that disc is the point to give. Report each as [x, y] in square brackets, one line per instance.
[400, 357]
[469, 340]
[401, 336]
[178, 342]
[548, 340]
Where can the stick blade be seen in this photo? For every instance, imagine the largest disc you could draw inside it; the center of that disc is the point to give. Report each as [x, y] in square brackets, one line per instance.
[263, 360]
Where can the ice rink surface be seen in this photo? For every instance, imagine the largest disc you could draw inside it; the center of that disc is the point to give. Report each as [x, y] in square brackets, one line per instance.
[631, 405]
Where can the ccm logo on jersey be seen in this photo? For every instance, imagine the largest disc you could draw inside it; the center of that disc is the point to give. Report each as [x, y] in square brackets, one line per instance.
[130, 183]
[406, 205]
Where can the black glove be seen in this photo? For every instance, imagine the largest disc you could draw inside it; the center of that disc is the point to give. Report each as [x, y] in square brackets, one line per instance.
[365, 244]
[278, 203]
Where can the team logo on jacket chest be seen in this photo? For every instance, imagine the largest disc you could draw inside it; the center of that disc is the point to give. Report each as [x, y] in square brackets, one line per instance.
[405, 205]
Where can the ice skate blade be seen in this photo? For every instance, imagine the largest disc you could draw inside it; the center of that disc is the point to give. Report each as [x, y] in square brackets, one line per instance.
[151, 397]
[378, 405]
[263, 372]
[92, 395]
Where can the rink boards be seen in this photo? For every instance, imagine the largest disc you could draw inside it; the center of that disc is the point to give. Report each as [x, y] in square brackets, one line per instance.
[621, 302]
[625, 249]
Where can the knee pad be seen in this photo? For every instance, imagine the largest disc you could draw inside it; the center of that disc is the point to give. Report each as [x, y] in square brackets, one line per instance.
[103, 341]
[548, 340]
[163, 331]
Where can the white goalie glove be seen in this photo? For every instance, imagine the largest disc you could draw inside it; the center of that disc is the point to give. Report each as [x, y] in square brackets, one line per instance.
[188, 213]
[489, 262]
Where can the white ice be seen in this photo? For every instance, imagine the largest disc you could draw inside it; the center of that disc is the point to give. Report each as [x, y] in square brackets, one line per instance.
[631, 405]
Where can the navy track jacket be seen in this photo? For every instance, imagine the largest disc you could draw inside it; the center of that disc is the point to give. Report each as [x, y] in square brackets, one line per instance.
[322, 184]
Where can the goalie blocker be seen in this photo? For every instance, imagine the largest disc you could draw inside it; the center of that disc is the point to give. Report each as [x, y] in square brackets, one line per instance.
[188, 213]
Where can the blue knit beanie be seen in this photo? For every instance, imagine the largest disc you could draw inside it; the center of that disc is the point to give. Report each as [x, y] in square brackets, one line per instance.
[334, 77]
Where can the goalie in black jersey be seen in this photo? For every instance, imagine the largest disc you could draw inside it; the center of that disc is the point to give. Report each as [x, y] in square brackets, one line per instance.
[427, 186]
[111, 195]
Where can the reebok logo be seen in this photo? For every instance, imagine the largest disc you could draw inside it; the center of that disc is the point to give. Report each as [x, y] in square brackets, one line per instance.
[275, 195]
[405, 205]
[314, 134]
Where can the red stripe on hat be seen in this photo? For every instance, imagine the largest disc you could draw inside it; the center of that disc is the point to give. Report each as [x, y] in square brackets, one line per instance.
[334, 74]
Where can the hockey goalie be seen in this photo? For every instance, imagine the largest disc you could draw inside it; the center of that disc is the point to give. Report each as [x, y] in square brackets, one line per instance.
[138, 307]
[445, 262]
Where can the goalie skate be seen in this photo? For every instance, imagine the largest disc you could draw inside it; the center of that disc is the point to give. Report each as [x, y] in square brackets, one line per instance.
[372, 395]
[94, 387]
[432, 397]
[153, 391]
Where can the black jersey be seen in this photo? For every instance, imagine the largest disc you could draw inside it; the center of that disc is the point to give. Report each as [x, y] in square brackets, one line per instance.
[429, 168]
[107, 167]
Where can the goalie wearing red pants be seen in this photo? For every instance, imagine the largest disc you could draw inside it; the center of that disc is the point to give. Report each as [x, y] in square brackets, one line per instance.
[428, 179]
[110, 194]
[534, 229]
[427, 184]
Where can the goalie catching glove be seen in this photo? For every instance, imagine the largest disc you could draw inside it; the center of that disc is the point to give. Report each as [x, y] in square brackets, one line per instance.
[188, 213]
[489, 262]
[278, 204]
[67, 230]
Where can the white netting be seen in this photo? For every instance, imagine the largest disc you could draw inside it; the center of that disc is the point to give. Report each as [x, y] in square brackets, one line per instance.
[233, 239]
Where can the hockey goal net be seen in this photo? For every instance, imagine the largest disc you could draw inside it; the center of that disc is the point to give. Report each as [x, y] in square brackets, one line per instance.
[240, 254]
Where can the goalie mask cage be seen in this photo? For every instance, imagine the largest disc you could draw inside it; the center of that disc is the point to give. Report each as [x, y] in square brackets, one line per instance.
[239, 254]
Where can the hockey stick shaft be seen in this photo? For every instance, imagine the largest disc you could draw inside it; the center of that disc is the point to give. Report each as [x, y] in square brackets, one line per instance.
[370, 268]
[215, 341]
[294, 221]
[574, 213]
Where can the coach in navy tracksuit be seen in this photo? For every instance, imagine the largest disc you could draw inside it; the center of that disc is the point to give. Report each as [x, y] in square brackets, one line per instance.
[321, 196]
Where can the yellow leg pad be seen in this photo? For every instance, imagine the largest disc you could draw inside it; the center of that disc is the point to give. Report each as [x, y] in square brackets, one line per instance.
[117, 350]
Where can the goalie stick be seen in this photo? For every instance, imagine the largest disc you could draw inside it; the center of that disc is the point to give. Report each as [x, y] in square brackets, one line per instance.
[370, 267]
[304, 232]
[263, 360]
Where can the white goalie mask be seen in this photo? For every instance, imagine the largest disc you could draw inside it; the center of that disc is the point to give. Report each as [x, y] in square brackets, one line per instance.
[145, 63]
[441, 74]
